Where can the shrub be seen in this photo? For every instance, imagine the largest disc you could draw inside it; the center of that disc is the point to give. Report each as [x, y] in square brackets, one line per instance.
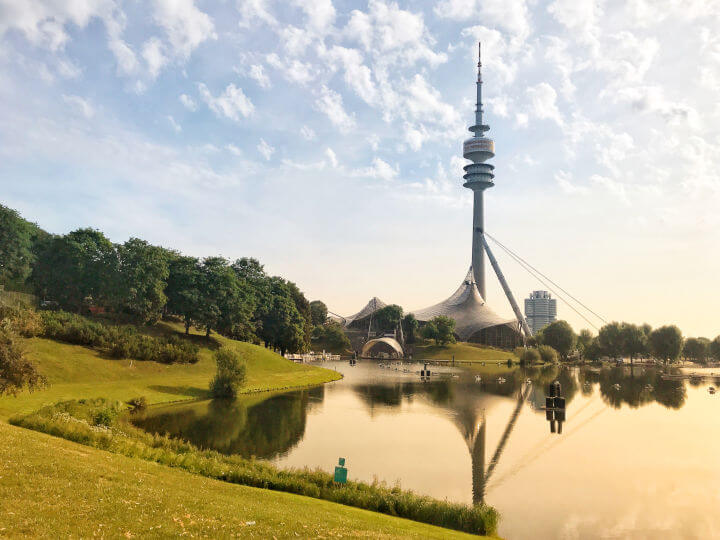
[16, 371]
[24, 322]
[230, 373]
[528, 356]
[105, 417]
[548, 354]
[137, 404]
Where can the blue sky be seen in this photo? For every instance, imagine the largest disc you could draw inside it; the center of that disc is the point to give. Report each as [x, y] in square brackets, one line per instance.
[324, 138]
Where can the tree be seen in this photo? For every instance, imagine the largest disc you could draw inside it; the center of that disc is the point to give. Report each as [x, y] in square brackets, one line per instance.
[143, 275]
[696, 349]
[560, 336]
[410, 326]
[16, 371]
[548, 354]
[634, 341]
[584, 340]
[225, 304]
[528, 356]
[318, 312]
[715, 349]
[610, 340]
[333, 337]
[183, 288]
[283, 326]
[666, 343]
[388, 318]
[441, 329]
[77, 267]
[230, 373]
[17, 241]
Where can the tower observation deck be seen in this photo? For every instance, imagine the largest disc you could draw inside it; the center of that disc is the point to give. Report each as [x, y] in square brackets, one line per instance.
[478, 177]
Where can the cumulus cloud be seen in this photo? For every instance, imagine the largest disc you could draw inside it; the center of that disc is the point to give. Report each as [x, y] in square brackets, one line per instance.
[79, 105]
[232, 103]
[307, 133]
[330, 103]
[511, 16]
[173, 124]
[379, 169]
[332, 157]
[293, 70]
[185, 25]
[258, 74]
[543, 103]
[265, 149]
[154, 56]
[188, 102]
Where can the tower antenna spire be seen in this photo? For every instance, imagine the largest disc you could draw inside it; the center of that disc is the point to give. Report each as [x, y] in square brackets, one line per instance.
[478, 105]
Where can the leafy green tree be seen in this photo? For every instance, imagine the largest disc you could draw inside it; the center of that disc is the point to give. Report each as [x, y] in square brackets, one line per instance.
[666, 343]
[410, 327]
[715, 349]
[78, 267]
[17, 241]
[634, 341]
[318, 312]
[593, 351]
[225, 304]
[283, 327]
[548, 354]
[332, 337]
[585, 338]
[143, 275]
[230, 373]
[183, 288]
[16, 371]
[441, 329]
[388, 318]
[528, 356]
[560, 336]
[696, 349]
[610, 339]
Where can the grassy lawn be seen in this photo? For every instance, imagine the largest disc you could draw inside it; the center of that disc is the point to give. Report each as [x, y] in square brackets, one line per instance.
[467, 352]
[51, 488]
[76, 372]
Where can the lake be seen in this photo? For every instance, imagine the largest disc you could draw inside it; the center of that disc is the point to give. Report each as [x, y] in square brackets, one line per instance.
[638, 455]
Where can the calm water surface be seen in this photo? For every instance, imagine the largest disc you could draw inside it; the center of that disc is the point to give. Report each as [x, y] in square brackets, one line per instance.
[638, 457]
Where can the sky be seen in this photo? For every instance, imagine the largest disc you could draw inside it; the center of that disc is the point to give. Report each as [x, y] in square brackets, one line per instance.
[325, 138]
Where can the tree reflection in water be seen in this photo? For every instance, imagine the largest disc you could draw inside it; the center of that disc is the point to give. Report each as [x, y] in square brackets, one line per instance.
[246, 427]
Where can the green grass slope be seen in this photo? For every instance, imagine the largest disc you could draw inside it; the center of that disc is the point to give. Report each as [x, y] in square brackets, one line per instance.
[76, 372]
[53, 488]
[467, 352]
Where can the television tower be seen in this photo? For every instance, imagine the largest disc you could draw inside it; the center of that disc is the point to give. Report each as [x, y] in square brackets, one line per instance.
[478, 177]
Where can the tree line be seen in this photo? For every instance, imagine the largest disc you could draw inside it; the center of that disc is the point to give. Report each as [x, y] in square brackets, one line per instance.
[139, 282]
[618, 340]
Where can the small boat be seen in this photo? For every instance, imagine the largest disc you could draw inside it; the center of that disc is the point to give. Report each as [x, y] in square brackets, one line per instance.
[711, 389]
[501, 380]
[478, 379]
[616, 386]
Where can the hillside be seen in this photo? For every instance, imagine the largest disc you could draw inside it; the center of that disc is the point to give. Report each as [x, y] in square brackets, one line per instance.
[55, 488]
[467, 352]
[76, 372]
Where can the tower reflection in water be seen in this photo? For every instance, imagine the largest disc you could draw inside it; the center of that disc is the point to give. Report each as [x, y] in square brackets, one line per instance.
[268, 427]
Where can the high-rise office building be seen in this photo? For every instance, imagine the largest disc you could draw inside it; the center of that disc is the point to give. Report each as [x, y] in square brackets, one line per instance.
[540, 310]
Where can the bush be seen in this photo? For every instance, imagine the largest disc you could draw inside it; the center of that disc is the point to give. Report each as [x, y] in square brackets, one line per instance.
[230, 373]
[16, 371]
[137, 404]
[528, 356]
[24, 322]
[548, 354]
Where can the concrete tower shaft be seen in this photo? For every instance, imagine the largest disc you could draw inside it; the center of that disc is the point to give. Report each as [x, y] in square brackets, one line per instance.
[478, 177]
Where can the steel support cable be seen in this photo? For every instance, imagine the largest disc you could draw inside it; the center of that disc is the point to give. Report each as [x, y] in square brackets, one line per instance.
[527, 268]
[507, 249]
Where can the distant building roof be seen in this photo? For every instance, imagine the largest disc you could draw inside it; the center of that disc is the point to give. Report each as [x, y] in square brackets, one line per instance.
[467, 308]
[392, 343]
[371, 307]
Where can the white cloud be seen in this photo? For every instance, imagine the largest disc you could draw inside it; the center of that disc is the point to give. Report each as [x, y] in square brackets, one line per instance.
[332, 157]
[510, 15]
[254, 10]
[234, 150]
[357, 75]
[258, 73]
[188, 102]
[185, 25]
[565, 181]
[232, 103]
[307, 133]
[173, 123]
[543, 103]
[79, 105]
[379, 169]
[614, 187]
[331, 104]
[320, 13]
[153, 55]
[265, 149]
[293, 70]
